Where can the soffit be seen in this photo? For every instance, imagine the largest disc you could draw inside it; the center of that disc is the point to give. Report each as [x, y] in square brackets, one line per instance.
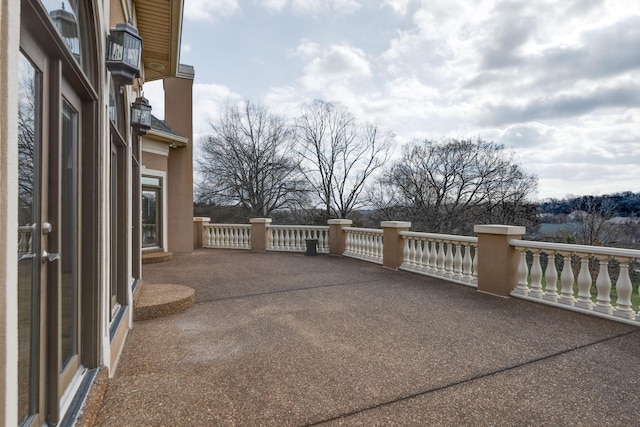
[159, 23]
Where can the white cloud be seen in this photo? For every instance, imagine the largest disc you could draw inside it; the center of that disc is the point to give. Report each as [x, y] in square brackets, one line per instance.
[338, 63]
[306, 49]
[555, 80]
[275, 5]
[313, 7]
[209, 10]
[207, 102]
[185, 48]
[400, 7]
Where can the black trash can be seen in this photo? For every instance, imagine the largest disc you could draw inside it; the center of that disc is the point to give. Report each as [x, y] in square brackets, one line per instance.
[312, 247]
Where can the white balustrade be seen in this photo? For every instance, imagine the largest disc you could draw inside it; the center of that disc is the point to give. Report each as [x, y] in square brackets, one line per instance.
[292, 238]
[25, 242]
[577, 291]
[449, 257]
[227, 236]
[364, 244]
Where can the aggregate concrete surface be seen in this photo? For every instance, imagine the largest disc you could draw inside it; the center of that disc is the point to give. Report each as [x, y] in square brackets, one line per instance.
[280, 339]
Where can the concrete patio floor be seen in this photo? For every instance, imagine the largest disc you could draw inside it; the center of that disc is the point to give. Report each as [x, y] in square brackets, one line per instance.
[278, 339]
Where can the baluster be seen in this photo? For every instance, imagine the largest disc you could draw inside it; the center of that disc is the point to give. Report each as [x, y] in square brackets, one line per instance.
[412, 252]
[223, 230]
[288, 239]
[624, 288]
[551, 278]
[536, 275]
[433, 256]
[236, 238]
[281, 238]
[30, 240]
[380, 246]
[466, 262]
[567, 279]
[584, 284]
[215, 236]
[457, 261]
[321, 240]
[441, 256]
[475, 262]
[448, 259]
[372, 246]
[348, 243]
[22, 242]
[425, 256]
[360, 245]
[603, 285]
[405, 251]
[419, 254]
[367, 245]
[523, 272]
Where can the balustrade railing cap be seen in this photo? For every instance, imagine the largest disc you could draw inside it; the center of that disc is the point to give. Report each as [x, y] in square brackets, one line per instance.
[260, 220]
[340, 222]
[507, 230]
[201, 219]
[395, 224]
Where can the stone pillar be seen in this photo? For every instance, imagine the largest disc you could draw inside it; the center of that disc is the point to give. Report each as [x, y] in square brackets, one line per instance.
[198, 231]
[178, 108]
[259, 234]
[497, 259]
[393, 244]
[337, 236]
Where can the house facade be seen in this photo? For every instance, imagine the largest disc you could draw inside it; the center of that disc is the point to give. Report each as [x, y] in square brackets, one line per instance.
[72, 179]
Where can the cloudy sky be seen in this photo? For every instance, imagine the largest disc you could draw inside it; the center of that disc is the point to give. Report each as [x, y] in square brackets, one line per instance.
[558, 82]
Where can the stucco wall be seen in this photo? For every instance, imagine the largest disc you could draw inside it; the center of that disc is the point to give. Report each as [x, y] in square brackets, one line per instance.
[9, 47]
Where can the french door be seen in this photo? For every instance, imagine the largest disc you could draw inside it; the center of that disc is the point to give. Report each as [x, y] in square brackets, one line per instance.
[50, 129]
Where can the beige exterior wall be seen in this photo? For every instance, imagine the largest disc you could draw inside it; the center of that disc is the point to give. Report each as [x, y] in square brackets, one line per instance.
[9, 45]
[155, 161]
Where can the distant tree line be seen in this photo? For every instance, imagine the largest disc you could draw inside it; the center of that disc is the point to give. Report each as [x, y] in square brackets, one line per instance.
[625, 204]
[326, 164]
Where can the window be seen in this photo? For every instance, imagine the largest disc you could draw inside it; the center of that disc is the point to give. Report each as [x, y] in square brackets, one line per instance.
[151, 212]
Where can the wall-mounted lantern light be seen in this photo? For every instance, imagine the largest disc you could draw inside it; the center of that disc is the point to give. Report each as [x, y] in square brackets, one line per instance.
[67, 26]
[141, 115]
[124, 49]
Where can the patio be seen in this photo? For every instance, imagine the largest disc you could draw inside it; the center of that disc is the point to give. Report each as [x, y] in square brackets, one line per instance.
[285, 339]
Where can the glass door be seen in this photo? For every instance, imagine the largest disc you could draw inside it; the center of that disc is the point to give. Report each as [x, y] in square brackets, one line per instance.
[49, 310]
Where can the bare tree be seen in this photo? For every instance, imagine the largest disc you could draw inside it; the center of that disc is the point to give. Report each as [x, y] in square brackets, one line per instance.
[591, 216]
[340, 155]
[248, 161]
[451, 185]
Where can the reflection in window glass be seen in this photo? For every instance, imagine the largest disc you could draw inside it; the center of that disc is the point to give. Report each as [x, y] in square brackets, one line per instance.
[150, 217]
[29, 124]
[64, 15]
[69, 246]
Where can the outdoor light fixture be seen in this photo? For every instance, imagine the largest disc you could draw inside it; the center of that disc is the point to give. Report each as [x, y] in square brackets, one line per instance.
[124, 49]
[141, 115]
[67, 26]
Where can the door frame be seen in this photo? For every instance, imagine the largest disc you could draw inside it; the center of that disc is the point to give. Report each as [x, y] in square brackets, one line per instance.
[36, 27]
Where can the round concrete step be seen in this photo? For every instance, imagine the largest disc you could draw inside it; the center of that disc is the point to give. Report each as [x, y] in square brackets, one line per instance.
[162, 300]
[156, 257]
